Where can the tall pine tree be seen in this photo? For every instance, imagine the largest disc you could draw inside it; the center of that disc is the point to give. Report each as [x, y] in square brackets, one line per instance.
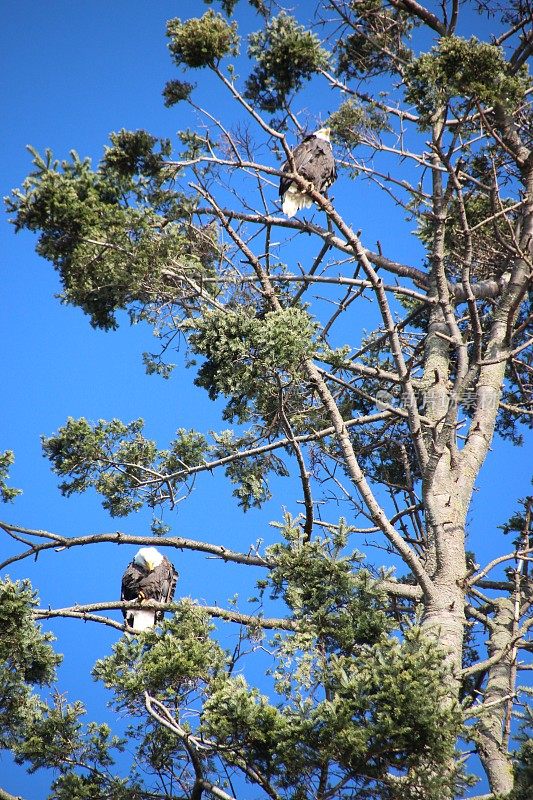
[383, 684]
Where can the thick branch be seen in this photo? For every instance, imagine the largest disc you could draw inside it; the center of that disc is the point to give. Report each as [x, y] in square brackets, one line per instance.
[422, 13]
[7, 796]
[83, 612]
[177, 542]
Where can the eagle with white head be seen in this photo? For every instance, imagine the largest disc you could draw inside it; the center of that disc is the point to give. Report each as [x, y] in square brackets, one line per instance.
[313, 160]
[150, 576]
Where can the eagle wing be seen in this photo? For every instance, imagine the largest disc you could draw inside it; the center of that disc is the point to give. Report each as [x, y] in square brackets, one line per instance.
[166, 577]
[300, 155]
[131, 583]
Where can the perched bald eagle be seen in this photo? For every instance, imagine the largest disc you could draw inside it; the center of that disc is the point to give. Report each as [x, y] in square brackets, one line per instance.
[313, 160]
[150, 576]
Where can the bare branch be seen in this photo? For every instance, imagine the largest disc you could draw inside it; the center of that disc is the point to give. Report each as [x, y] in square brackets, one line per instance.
[397, 268]
[482, 708]
[481, 666]
[316, 379]
[494, 563]
[176, 542]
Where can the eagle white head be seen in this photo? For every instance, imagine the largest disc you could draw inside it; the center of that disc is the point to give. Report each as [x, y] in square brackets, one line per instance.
[323, 133]
[148, 557]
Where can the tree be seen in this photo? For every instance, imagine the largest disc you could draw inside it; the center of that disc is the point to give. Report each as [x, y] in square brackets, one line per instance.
[384, 684]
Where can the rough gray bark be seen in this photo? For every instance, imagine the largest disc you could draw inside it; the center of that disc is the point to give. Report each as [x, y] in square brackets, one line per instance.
[489, 732]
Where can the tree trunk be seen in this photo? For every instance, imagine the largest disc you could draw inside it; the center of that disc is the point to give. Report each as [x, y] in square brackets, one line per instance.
[489, 733]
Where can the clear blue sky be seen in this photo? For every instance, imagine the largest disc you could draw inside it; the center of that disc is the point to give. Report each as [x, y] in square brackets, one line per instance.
[73, 72]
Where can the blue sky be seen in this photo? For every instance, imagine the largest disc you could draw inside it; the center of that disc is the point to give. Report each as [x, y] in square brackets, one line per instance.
[73, 72]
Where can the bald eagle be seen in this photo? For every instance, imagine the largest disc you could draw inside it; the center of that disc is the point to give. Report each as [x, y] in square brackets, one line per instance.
[313, 160]
[150, 576]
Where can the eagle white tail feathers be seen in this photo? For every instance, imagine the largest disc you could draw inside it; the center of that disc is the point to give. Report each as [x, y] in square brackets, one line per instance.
[140, 619]
[294, 200]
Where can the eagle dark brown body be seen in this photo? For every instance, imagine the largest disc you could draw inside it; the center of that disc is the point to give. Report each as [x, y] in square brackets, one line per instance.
[313, 160]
